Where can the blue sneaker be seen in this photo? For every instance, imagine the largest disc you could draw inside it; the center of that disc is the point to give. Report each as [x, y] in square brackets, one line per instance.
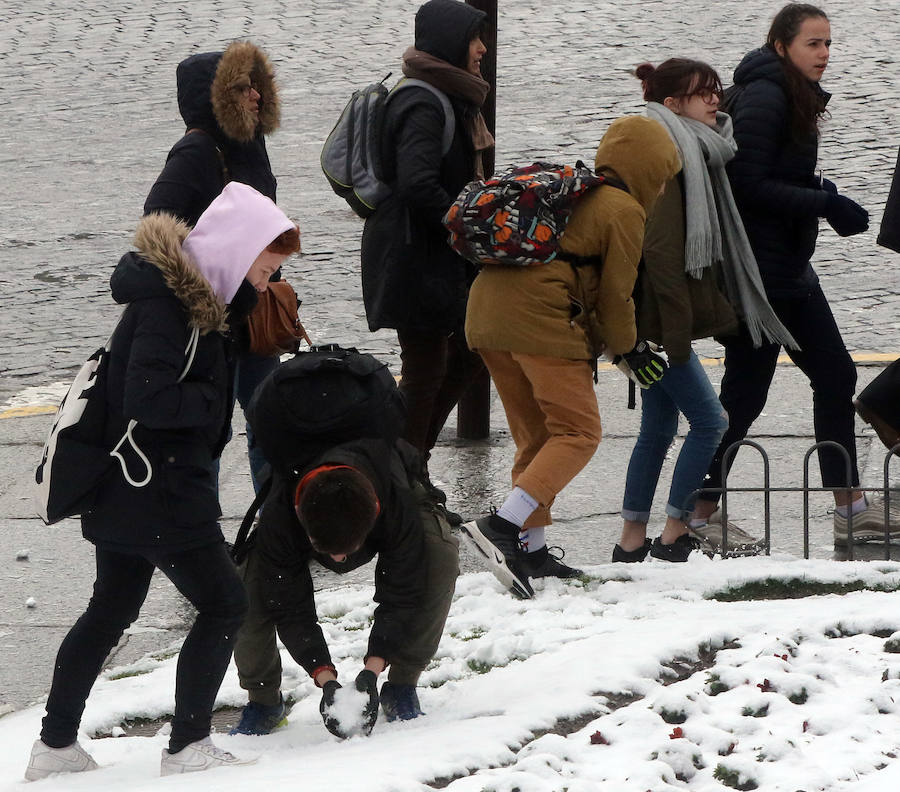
[400, 701]
[259, 719]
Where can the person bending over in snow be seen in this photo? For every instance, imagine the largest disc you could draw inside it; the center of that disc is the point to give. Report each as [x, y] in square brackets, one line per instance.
[344, 489]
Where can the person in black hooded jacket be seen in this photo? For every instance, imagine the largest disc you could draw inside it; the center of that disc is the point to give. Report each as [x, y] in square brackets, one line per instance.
[776, 106]
[889, 235]
[412, 280]
[229, 102]
[878, 404]
[168, 400]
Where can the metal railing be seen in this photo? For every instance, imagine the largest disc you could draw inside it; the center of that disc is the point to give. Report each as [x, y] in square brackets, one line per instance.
[766, 489]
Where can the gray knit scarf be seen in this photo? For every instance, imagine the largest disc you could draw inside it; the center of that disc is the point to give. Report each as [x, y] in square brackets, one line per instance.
[713, 228]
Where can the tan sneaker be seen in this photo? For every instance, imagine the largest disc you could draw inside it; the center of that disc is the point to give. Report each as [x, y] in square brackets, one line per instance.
[45, 761]
[868, 525]
[740, 543]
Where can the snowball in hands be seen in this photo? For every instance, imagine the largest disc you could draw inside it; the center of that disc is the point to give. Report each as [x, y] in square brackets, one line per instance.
[348, 710]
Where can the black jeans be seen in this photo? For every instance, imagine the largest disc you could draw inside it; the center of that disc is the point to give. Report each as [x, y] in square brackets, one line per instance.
[436, 368]
[823, 358]
[208, 579]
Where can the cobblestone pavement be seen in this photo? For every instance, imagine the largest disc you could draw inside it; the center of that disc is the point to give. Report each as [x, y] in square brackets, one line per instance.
[89, 113]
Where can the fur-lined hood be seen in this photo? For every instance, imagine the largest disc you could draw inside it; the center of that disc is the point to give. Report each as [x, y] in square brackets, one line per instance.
[160, 267]
[206, 98]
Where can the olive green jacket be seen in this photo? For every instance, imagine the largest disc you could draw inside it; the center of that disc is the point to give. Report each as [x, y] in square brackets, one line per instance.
[672, 307]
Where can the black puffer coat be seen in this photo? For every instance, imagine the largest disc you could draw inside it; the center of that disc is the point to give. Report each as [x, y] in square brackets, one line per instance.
[411, 279]
[193, 174]
[181, 425]
[284, 553]
[889, 235]
[773, 177]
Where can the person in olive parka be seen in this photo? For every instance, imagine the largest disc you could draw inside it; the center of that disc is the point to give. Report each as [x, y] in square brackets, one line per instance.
[341, 500]
[412, 280]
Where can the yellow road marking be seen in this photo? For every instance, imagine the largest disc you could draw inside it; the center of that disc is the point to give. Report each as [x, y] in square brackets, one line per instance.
[860, 357]
[25, 412]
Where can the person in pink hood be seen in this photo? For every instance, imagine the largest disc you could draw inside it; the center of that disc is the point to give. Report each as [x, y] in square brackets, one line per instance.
[169, 380]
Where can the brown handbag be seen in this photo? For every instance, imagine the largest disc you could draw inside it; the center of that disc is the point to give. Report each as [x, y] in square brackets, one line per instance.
[273, 325]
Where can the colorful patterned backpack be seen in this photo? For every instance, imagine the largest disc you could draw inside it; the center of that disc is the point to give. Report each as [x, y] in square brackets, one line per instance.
[518, 219]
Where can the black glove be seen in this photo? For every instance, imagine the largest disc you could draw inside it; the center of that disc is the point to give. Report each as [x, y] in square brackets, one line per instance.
[846, 217]
[365, 683]
[642, 365]
[829, 186]
[333, 725]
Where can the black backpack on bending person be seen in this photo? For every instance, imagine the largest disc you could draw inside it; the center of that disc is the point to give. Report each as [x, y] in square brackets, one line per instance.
[314, 401]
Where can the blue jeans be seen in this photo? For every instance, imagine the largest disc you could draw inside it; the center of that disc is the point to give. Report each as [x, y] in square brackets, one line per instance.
[687, 389]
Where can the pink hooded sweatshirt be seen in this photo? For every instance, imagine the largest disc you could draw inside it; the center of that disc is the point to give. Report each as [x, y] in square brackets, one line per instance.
[235, 228]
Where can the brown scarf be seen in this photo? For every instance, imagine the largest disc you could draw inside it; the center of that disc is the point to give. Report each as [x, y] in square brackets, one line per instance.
[459, 83]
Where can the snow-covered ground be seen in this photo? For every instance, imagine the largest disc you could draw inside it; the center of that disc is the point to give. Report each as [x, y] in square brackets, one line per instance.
[638, 677]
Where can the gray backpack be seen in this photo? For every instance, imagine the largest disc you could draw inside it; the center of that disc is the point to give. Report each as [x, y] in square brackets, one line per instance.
[351, 156]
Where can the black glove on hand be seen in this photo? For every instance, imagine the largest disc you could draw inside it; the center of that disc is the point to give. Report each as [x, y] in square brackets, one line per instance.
[365, 683]
[846, 217]
[642, 364]
[829, 186]
[332, 724]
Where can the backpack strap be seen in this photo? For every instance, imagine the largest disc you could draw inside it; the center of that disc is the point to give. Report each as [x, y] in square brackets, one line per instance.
[189, 353]
[242, 541]
[226, 176]
[449, 115]
[591, 261]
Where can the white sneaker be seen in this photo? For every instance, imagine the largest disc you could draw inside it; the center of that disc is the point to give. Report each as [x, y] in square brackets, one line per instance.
[45, 760]
[200, 755]
[868, 525]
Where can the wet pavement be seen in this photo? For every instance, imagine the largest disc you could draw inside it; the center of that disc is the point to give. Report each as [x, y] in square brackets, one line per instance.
[90, 112]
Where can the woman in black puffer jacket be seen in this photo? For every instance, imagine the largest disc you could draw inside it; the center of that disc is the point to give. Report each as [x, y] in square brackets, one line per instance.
[412, 280]
[776, 106]
[158, 508]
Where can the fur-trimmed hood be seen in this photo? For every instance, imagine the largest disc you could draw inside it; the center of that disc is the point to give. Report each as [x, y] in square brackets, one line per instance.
[206, 98]
[160, 267]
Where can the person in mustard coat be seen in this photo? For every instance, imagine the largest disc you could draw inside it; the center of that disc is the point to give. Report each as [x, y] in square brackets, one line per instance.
[540, 329]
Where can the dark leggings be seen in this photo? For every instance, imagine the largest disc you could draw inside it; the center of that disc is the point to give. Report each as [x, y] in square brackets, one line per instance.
[436, 369]
[208, 579]
[823, 358]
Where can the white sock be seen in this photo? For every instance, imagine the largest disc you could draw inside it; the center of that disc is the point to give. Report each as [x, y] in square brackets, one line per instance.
[517, 507]
[533, 538]
[856, 506]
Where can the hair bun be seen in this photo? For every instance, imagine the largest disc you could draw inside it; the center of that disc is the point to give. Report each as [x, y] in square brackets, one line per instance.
[644, 71]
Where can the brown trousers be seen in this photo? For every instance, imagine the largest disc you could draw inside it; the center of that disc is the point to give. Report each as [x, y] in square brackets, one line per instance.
[436, 369]
[553, 417]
